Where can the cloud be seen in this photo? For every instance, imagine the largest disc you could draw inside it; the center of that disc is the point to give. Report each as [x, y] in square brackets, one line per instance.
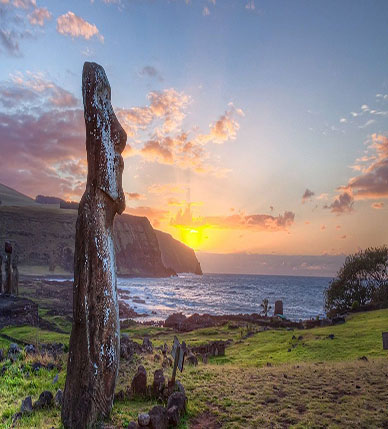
[257, 222]
[343, 203]
[373, 182]
[307, 195]
[152, 72]
[72, 25]
[134, 196]
[250, 5]
[205, 11]
[38, 16]
[165, 188]
[377, 206]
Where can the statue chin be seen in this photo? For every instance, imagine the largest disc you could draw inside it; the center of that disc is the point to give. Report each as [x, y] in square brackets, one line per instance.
[120, 204]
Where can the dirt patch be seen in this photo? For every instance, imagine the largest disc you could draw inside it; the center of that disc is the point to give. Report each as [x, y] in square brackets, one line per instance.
[205, 421]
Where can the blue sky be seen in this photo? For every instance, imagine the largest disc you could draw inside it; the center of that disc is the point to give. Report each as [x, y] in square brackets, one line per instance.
[273, 97]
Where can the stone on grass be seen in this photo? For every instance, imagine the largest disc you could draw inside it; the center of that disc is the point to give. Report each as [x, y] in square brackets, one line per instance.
[173, 416]
[159, 382]
[143, 419]
[26, 407]
[177, 399]
[192, 359]
[133, 425]
[30, 349]
[139, 382]
[45, 400]
[58, 398]
[158, 417]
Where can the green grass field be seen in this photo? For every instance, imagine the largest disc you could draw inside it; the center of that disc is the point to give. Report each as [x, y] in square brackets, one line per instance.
[319, 383]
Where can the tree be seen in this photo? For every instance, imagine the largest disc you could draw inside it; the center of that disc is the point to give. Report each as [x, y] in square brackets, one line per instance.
[265, 307]
[361, 281]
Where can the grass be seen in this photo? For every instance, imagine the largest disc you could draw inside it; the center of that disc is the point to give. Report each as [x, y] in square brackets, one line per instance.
[320, 383]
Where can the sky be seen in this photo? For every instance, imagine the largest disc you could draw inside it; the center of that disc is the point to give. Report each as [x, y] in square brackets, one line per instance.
[254, 126]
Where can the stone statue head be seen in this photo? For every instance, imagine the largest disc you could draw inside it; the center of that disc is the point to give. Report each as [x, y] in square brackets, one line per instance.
[105, 137]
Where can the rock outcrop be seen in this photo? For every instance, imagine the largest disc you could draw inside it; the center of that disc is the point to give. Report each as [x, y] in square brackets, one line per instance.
[15, 311]
[177, 255]
[43, 237]
[94, 349]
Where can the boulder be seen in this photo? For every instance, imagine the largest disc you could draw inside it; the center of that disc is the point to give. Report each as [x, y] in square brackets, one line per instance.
[159, 383]
[133, 425]
[191, 359]
[173, 416]
[58, 398]
[177, 399]
[30, 349]
[147, 345]
[128, 348]
[26, 407]
[143, 419]
[45, 400]
[139, 382]
[158, 417]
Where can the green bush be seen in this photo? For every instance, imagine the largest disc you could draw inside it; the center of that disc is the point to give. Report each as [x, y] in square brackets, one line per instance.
[363, 279]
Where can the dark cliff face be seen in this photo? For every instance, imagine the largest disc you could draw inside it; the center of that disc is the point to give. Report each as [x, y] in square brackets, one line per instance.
[177, 255]
[44, 240]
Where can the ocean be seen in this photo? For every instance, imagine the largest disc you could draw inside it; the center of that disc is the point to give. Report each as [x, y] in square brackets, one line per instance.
[303, 297]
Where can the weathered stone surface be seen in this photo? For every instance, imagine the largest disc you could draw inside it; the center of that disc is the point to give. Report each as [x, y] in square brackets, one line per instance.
[58, 398]
[147, 345]
[26, 406]
[278, 308]
[133, 425]
[158, 417]
[191, 359]
[173, 416]
[8, 269]
[16, 311]
[143, 419]
[158, 383]
[139, 382]
[45, 400]
[215, 348]
[128, 347]
[179, 400]
[15, 276]
[94, 348]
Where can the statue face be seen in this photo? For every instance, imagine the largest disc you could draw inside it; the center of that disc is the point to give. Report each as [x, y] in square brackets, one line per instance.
[105, 137]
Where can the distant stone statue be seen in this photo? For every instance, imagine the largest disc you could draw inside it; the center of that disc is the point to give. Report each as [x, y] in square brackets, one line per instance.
[15, 275]
[94, 349]
[1, 275]
[8, 269]
[278, 308]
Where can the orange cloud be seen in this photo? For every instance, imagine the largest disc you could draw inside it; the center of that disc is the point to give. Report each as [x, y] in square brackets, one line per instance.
[377, 206]
[72, 25]
[343, 203]
[38, 16]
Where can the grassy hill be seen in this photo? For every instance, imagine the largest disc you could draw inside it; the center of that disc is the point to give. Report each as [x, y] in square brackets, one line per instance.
[267, 379]
[10, 197]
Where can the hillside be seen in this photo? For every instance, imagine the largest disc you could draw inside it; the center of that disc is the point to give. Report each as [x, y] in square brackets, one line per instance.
[43, 236]
[177, 255]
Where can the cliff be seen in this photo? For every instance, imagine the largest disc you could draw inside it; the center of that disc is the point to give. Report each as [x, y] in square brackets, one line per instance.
[177, 255]
[44, 235]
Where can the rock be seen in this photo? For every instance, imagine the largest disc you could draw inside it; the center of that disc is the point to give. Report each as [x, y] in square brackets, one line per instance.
[179, 400]
[132, 425]
[139, 382]
[159, 383]
[173, 416]
[14, 349]
[167, 362]
[215, 348]
[30, 349]
[15, 275]
[300, 337]
[364, 358]
[36, 366]
[128, 347]
[180, 388]
[15, 311]
[278, 308]
[45, 400]
[1, 355]
[58, 398]
[158, 417]
[147, 345]
[8, 269]
[26, 407]
[94, 343]
[331, 336]
[55, 380]
[143, 419]
[191, 359]
[157, 357]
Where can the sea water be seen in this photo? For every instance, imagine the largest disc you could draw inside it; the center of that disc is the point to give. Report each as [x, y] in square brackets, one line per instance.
[303, 297]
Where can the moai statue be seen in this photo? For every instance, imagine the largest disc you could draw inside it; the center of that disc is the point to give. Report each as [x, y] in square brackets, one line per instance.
[278, 308]
[8, 269]
[1, 275]
[15, 275]
[94, 349]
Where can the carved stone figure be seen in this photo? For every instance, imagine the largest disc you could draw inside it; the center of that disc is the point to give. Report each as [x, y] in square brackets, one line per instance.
[15, 275]
[94, 349]
[8, 269]
[278, 308]
[1, 274]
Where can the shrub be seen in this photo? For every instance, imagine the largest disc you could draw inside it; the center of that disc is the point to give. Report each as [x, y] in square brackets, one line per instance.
[363, 279]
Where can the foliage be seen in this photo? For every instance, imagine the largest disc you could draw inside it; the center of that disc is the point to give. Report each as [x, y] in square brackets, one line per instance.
[265, 307]
[363, 279]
